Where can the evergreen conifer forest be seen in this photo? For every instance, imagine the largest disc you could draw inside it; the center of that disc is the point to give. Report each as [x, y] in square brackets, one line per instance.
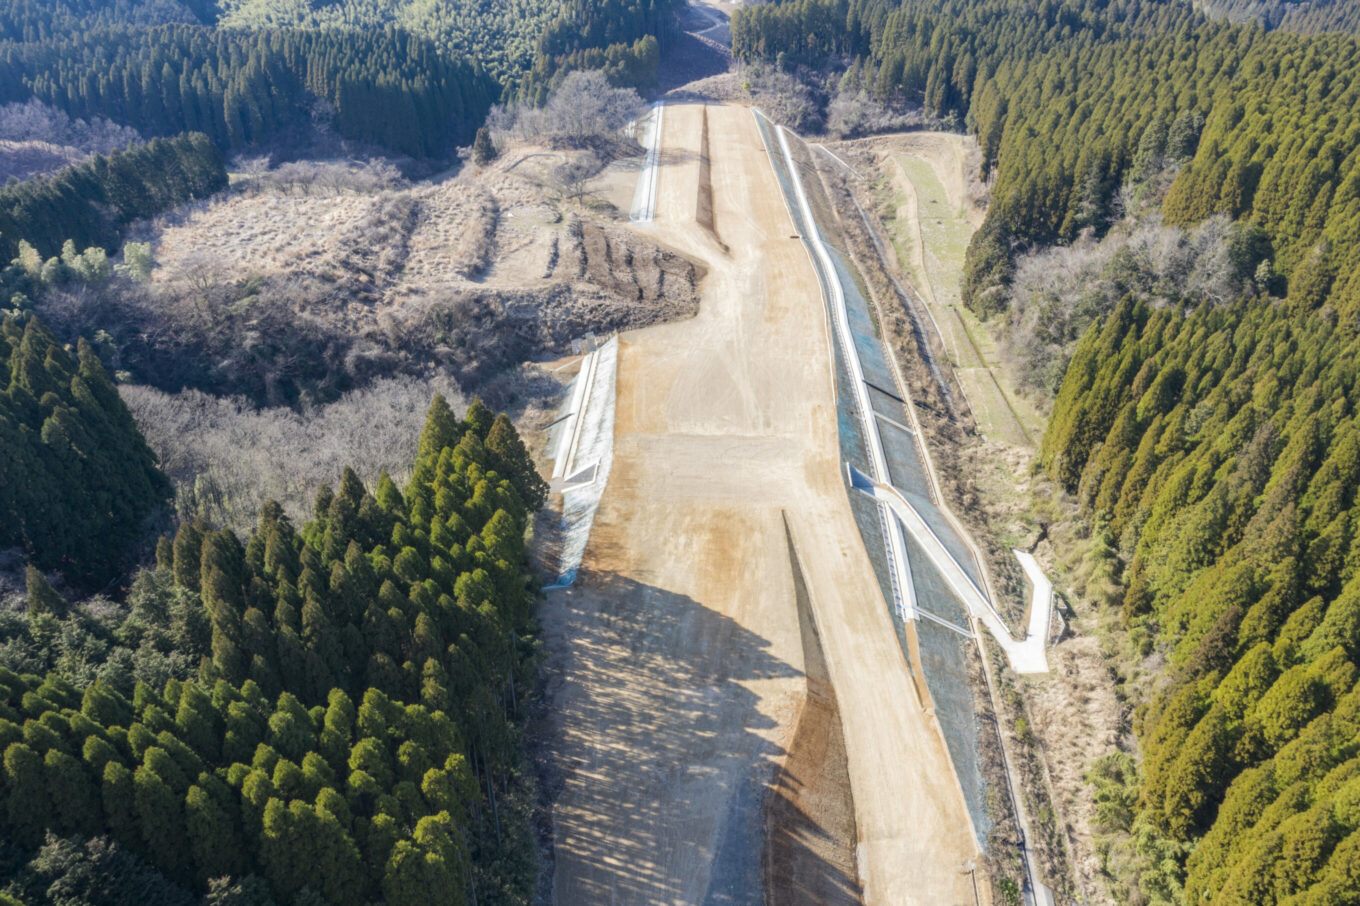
[325, 711]
[90, 205]
[65, 427]
[333, 709]
[1212, 444]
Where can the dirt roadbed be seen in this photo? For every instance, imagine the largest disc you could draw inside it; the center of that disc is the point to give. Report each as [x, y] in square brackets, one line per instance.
[731, 719]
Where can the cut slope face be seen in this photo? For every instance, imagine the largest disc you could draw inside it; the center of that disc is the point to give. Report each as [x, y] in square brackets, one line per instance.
[809, 818]
[676, 671]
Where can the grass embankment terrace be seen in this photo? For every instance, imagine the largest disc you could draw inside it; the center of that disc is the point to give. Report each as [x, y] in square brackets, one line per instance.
[930, 232]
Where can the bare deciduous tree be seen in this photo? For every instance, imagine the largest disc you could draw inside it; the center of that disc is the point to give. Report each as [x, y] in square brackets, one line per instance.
[853, 113]
[34, 121]
[571, 176]
[1057, 292]
[785, 99]
[584, 107]
[307, 177]
[206, 279]
[227, 457]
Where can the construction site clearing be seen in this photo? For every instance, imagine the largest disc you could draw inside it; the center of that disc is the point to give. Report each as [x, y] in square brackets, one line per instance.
[737, 705]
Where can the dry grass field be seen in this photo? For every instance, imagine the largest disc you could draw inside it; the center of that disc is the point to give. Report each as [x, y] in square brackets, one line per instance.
[316, 279]
[374, 258]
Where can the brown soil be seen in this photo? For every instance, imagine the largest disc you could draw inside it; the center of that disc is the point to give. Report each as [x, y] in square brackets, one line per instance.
[676, 669]
[636, 270]
[809, 812]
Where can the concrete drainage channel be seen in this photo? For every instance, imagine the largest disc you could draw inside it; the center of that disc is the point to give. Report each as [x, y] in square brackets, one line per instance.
[644, 196]
[583, 451]
[582, 438]
[934, 580]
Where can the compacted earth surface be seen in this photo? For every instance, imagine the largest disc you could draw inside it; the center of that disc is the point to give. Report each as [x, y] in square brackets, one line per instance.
[730, 716]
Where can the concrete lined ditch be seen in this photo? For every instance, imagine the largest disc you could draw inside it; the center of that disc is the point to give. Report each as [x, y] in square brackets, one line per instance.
[725, 593]
[583, 443]
[644, 197]
[941, 653]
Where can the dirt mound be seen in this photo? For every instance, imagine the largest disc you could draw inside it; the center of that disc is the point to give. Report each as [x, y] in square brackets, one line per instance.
[703, 209]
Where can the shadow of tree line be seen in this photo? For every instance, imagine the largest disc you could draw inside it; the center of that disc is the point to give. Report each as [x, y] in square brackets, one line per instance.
[648, 727]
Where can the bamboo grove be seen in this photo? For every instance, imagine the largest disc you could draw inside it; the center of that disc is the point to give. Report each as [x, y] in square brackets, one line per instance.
[1305, 18]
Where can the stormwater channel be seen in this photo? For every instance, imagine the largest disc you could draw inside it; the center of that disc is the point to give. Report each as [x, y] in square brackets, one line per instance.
[582, 439]
[943, 652]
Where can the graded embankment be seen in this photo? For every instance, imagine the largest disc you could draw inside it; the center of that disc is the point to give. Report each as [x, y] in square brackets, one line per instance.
[809, 813]
[676, 667]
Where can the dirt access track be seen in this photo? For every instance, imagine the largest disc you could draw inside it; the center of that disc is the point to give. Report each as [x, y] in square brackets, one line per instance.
[694, 758]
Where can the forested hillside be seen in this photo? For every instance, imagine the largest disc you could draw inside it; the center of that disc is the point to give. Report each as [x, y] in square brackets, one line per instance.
[412, 77]
[1263, 125]
[76, 478]
[1211, 441]
[350, 733]
[386, 88]
[1303, 16]
[501, 35]
[624, 38]
[40, 20]
[327, 712]
[91, 204]
[1222, 448]
[507, 37]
